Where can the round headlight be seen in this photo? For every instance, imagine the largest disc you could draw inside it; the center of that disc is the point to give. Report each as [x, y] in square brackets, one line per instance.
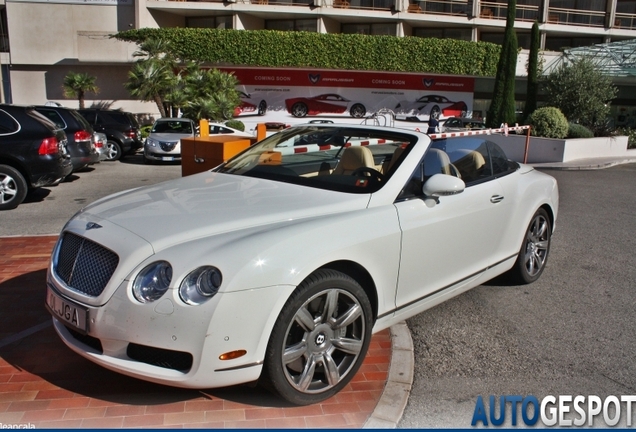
[152, 282]
[151, 142]
[200, 285]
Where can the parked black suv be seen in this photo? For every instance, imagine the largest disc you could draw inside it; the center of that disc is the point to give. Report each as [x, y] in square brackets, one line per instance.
[33, 153]
[78, 132]
[121, 129]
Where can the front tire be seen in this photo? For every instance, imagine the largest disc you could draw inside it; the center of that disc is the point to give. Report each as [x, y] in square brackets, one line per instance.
[357, 111]
[13, 187]
[320, 338]
[262, 108]
[533, 255]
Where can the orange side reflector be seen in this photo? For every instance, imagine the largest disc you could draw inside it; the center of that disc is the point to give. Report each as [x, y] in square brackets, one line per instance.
[232, 355]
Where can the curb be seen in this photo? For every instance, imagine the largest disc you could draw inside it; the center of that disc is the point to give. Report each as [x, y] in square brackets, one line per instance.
[395, 396]
[583, 166]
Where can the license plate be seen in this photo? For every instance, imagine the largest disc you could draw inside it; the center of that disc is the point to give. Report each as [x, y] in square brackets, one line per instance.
[67, 311]
[167, 158]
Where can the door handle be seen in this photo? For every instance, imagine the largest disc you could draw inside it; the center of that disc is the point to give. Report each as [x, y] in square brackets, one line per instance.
[496, 199]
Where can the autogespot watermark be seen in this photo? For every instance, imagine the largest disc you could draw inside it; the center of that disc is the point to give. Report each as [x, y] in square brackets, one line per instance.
[563, 410]
[17, 426]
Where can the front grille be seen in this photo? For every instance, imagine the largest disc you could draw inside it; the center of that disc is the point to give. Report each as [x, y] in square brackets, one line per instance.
[90, 341]
[177, 360]
[167, 146]
[84, 265]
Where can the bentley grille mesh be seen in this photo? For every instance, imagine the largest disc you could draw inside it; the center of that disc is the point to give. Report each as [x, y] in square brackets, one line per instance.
[84, 265]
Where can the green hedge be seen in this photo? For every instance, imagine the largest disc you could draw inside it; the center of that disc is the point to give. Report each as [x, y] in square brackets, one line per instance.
[270, 48]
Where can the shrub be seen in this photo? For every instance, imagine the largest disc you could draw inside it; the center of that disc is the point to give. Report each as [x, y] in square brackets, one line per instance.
[548, 122]
[631, 136]
[145, 131]
[579, 131]
[236, 124]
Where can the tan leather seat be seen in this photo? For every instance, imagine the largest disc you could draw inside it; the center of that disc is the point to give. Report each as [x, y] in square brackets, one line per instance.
[353, 158]
[470, 164]
[386, 166]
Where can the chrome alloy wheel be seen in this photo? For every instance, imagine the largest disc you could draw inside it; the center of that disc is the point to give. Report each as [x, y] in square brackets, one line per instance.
[537, 245]
[323, 341]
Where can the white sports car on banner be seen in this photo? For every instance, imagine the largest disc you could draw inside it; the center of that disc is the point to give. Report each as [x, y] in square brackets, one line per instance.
[279, 264]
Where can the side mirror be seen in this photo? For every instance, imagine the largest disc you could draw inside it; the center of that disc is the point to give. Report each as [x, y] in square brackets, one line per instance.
[441, 185]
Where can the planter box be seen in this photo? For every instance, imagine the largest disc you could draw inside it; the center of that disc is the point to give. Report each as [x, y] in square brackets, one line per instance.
[546, 150]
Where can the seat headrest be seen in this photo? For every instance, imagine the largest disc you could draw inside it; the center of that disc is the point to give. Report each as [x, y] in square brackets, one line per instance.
[353, 158]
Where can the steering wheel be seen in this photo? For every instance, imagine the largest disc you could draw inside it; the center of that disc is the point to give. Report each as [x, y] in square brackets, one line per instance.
[368, 170]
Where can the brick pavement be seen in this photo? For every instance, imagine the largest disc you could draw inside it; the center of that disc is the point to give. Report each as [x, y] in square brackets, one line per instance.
[45, 384]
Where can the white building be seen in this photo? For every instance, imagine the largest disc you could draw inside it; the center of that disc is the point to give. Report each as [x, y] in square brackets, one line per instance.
[42, 40]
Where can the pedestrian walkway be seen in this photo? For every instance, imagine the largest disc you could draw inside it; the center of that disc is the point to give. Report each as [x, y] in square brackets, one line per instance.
[46, 385]
[586, 164]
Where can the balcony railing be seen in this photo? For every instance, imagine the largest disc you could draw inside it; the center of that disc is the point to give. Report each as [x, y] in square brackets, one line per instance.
[369, 4]
[494, 10]
[441, 7]
[625, 21]
[576, 17]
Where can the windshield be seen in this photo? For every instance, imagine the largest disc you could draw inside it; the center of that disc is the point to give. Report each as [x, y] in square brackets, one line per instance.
[343, 158]
[173, 126]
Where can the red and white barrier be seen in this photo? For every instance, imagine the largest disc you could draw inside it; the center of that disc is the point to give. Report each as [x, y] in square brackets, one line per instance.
[505, 130]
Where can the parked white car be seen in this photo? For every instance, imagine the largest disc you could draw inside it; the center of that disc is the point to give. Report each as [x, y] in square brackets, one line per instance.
[279, 264]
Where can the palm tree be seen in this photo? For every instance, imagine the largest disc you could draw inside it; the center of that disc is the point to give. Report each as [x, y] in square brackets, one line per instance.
[150, 80]
[77, 84]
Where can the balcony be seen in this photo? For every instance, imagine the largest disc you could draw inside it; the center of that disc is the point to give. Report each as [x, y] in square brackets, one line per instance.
[492, 10]
[441, 7]
[369, 4]
[576, 17]
[625, 21]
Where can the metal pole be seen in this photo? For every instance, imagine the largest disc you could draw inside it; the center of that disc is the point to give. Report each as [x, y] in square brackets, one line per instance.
[525, 152]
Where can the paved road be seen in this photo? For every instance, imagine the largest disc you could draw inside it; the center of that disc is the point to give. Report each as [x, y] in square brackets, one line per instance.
[46, 210]
[570, 333]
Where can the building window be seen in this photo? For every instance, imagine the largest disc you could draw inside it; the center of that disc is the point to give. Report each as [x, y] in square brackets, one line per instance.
[625, 14]
[446, 7]
[444, 33]
[526, 10]
[371, 4]
[523, 38]
[561, 43]
[309, 25]
[578, 12]
[389, 29]
[220, 22]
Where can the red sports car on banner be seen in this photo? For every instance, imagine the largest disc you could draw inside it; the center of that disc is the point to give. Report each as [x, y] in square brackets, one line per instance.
[329, 103]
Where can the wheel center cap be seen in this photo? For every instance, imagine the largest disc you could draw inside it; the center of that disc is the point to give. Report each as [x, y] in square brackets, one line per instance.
[320, 339]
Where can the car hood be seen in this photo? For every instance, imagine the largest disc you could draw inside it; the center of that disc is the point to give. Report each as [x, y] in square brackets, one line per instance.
[210, 203]
[169, 136]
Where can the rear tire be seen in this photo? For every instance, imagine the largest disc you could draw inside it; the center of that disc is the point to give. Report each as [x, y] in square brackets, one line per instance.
[113, 151]
[533, 255]
[319, 340]
[13, 187]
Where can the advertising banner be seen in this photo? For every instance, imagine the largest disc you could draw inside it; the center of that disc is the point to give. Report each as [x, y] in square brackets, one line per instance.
[310, 93]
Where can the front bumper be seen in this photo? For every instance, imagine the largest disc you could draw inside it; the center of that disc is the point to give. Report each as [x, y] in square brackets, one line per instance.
[168, 342]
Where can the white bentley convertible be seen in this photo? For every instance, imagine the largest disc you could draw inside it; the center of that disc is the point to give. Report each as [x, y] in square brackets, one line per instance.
[279, 264]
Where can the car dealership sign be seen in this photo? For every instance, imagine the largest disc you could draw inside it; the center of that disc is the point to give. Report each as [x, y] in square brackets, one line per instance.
[312, 92]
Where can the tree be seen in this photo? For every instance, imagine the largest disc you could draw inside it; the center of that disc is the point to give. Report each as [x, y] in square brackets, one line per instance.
[150, 80]
[212, 94]
[533, 71]
[581, 92]
[77, 84]
[502, 107]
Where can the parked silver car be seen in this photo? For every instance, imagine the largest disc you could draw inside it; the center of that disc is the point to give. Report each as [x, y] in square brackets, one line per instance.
[100, 142]
[164, 142]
